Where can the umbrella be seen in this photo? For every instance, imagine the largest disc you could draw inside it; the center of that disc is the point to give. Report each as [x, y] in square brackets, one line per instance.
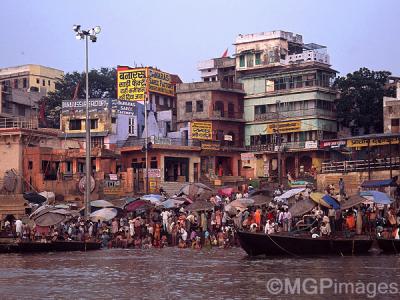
[317, 197]
[34, 197]
[243, 202]
[64, 206]
[66, 212]
[50, 196]
[226, 191]
[49, 219]
[261, 200]
[200, 205]
[41, 210]
[134, 205]
[352, 201]
[101, 203]
[172, 203]
[231, 210]
[290, 193]
[269, 191]
[153, 198]
[377, 197]
[331, 201]
[301, 207]
[104, 214]
[193, 190]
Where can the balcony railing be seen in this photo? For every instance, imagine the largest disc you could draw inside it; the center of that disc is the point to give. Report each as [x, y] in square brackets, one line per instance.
[179, 142]
[360, 165]
[316, 112]
[272, 147]
[17, 122]
[208, 85]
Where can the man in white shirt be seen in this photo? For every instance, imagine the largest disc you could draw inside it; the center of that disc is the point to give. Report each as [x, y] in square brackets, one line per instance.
[269, 227]
[18, 228]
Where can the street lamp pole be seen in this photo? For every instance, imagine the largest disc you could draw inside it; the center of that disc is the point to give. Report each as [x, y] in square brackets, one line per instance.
[278, 135]
[87, 34]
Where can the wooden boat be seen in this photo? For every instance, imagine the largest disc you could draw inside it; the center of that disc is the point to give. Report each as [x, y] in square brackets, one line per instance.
[389, 245]
[54, 246]
[301, 245]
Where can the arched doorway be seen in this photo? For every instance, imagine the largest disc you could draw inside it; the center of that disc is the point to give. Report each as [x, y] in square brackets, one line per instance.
[290, 166]
[305, 164]
[219, 107]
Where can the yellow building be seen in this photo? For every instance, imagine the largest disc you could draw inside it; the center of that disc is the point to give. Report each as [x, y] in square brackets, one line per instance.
[32, 77]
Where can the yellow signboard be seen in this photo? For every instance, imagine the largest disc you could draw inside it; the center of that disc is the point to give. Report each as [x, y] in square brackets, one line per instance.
[201, 130]
[355, 143]
[284, 127]
[131, 84]
[160, 82]
[210, 146]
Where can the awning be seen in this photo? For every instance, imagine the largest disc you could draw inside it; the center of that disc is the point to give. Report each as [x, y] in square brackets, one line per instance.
[377, 183]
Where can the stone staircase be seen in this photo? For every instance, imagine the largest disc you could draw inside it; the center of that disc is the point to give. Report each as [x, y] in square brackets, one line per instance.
[172, 188]
[351, 182]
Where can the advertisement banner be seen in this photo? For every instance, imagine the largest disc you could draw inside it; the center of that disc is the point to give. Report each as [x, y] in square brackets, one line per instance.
[247, 156]
[210, 146]
[153, 173]
[354, 143]
[332, 144]
[311, 145]
[201, 130]
[284, 127]
[125, 107]
[160, 82]
[131, 84]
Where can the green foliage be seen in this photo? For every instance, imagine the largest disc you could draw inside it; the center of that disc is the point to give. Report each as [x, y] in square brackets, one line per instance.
[360, 106]
[102, 84]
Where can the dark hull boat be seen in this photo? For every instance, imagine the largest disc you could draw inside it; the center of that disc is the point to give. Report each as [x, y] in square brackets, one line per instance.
[296, 245]
[32, 247]
[389, 245]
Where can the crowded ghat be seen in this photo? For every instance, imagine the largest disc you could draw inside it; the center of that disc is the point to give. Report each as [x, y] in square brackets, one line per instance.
[198, 217]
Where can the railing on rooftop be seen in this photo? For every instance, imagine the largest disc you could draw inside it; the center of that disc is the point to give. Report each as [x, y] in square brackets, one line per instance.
[272, 147]
[179, 142]
[18, 122]
[360, 165]
[214, 115]
[208, 85]
[317, 112]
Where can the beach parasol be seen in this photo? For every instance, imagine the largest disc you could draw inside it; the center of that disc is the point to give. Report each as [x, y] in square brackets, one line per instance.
[101, 203]
[49, 219]
[242, 203]
[289, 194]
[194, 190]
[104, 214]
[352, 201]
[317, 198]
[172, 203]
[332, 202]
[302, 207]
[138, 204]
[152, 198]
[200, 205]
[377, 197]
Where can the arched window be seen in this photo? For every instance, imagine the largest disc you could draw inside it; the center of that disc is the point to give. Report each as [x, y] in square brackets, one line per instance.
[219, 107]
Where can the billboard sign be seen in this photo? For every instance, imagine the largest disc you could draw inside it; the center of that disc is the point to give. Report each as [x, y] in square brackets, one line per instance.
[201, 130]
[131, 83]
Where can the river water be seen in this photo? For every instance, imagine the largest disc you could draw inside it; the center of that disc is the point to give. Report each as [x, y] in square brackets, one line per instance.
[173, 273]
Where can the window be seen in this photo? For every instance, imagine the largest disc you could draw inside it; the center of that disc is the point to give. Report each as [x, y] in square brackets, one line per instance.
[94, 123]
[48, 82]
[24, 83]
[199, 105]
[249, 60]
[75, 124]
[44, 82]
[260, 109]
[153, 162]
[241, 61]
[131, 127]
[15, 83]
[30, 165]
[395, 122]
[161, 100]
[37, 80]
[157, 99]
[97, 142]
[258, 59]
[189, 106]
[68, 167]
[81, 167]
[113, 120]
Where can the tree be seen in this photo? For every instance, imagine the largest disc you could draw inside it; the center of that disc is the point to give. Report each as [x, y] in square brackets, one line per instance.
[360, 106]
[102, 84]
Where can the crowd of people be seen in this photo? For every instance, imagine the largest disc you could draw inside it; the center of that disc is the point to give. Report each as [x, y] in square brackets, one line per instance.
[216, 227]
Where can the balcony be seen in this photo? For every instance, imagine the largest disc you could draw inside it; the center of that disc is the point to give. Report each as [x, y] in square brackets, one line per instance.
[17, 122]
[312, 112]
[181, 142]
[209, 86]
[360, 165]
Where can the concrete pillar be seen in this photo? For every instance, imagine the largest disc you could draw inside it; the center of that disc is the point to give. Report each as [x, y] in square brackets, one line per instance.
[296, 165]
[98, 164]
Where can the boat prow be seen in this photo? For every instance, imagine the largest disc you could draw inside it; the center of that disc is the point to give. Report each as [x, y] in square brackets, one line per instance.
[297, 245]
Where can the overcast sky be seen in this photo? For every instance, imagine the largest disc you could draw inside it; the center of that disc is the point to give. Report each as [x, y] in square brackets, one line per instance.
[174, 35]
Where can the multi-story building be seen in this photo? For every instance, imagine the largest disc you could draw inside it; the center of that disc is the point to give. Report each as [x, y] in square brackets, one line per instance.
[288, 94]
[218, 69]
[31, 77]
[391, 113]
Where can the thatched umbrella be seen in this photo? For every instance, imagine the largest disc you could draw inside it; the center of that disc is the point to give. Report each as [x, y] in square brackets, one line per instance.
[302, 207]
[200, 205]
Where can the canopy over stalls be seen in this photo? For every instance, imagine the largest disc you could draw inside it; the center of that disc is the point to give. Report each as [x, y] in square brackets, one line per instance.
[331, 201]
[302, 207]
[377, 197]
[200, 205]
[289, 194]
[378, 183]
[104, 214]
[352, 201]
[195, 190]
[318, 198]
[101, 203]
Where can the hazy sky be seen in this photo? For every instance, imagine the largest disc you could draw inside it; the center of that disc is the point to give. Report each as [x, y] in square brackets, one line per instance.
[174, 35]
